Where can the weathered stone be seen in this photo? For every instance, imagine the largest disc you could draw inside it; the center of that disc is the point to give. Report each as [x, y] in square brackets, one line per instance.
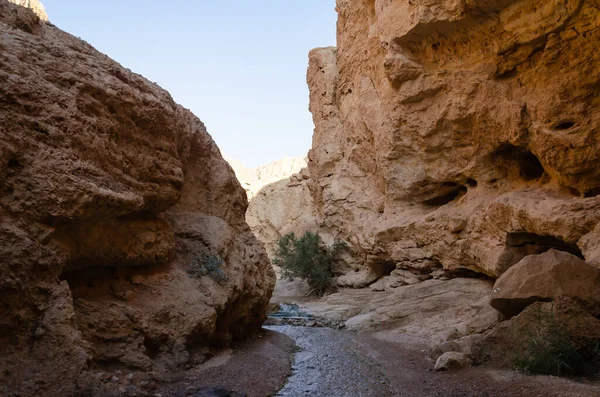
[446, 131]
[254, 179]
[35, 5]
[564, 318]
[280, 208]
[545, 277]
[452, 360]
[419, 312]
[113, 199]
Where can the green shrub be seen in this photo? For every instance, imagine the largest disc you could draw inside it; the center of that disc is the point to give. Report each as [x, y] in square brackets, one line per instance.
[208, 264]
[307, 258]
[547, 350]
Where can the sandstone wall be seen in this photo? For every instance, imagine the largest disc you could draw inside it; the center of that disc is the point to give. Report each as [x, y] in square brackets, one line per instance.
[114, 199]
[458, 135]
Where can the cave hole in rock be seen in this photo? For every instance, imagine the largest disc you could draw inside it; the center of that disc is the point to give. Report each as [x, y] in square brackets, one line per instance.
[518, 162]
[450, 191]
[592, 192]
[152, 345]
[468, 273]
[564, 125]
[521, 244]
[383, 268]
[471, 182]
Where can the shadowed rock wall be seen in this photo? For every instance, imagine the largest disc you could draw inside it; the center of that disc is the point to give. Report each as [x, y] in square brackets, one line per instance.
[115, 201]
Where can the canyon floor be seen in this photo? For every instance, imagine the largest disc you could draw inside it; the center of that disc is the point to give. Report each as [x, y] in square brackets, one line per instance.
[301, 360]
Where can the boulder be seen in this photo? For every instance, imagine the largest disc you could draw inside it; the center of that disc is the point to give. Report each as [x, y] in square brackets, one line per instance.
[562, 321]
[452, 360]
[543, 278]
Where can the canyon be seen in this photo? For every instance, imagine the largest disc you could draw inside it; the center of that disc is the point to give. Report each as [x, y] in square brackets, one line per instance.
[455, 154]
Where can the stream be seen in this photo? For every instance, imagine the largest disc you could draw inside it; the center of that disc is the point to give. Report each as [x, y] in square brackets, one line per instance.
[326, 363]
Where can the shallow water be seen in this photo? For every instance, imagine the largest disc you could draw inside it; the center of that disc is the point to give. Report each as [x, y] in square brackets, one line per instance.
[328, 365]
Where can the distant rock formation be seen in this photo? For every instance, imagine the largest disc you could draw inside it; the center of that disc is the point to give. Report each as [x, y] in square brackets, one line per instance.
[254, 179]
[282, 207]
[280, 200]
[122, 233]
[35, 5]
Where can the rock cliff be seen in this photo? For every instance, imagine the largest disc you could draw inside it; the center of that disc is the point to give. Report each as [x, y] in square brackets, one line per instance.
[35, 5]
[282, 207]
[122, 231]
[280, 200]
[458, 136]
[254, 179]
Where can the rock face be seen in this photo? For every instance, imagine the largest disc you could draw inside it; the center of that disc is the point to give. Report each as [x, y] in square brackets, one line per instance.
[122, 231]
[280, 208]
[280, 200]
[254, 179]
[421, 312]
[458, 135]
[35, 5]
[545, 277]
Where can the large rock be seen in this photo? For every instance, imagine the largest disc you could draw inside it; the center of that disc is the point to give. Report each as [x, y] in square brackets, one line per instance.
[35, 5]
[451, 360]
[462, 134]
[282, 207]
[115, 201]
[544, 277]
[561, 321]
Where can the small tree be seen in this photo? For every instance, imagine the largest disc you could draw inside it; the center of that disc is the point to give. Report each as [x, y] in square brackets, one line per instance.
[307, 258]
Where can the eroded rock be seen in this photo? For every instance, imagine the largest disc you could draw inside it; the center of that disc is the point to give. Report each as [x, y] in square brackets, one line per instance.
[531, 329]
[35, 5]
[545, 277]
[446, 131]
[111, 194]
[451, 360]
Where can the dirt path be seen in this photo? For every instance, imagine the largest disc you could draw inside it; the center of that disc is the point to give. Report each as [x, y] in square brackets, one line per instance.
[410, 375]
[256, 368]
[337, 363]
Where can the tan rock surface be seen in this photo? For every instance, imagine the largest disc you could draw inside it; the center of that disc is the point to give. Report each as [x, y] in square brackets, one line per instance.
[35, 5]
[414, 314]
[111, 193]
[512, 339]
[545, 277]
[254, 179]
[458, 135]
[280, 208]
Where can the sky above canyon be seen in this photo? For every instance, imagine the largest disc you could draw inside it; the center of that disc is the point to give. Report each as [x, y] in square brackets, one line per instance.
[239, 65]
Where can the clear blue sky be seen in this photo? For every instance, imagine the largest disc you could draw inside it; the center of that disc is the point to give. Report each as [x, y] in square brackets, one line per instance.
[239, 65]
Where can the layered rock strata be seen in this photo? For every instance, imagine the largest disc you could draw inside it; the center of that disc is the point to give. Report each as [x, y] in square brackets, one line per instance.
[122, 231]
